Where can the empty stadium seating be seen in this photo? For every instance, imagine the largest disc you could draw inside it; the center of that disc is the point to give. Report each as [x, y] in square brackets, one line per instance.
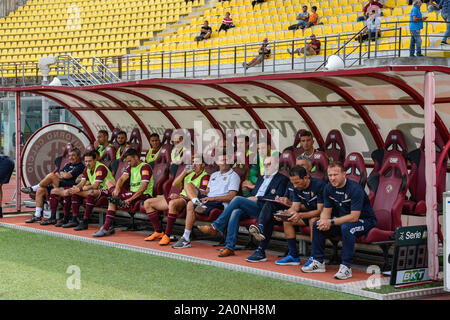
[111, 28]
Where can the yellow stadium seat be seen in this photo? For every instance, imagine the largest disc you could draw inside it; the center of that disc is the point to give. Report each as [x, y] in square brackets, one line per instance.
[325, 4]
[343, 18]
[358, 7]
[337, 10]
[332, 20]
[398, 11]
[327, 30]
[337, 28]
[432, 16]
[408, 10]
[348, 9]
[440, 28]
[348, 27]
[317, 30]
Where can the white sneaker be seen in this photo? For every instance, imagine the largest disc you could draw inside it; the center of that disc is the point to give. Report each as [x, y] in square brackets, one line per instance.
[314, 266]
[343, 273]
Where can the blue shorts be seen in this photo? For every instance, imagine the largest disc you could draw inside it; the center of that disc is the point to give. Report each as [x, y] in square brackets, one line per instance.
[6, 169]
[64, 183]
[210, 205]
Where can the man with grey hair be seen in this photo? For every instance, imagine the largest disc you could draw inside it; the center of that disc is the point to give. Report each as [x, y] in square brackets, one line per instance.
[54, 183]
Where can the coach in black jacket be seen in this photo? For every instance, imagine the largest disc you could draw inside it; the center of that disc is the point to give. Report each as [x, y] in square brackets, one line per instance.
[269, 186]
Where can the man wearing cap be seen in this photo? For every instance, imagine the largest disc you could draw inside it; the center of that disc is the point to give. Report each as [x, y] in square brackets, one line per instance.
[311, 48]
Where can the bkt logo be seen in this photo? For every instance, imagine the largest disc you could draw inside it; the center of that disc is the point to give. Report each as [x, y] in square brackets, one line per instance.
[414, 275]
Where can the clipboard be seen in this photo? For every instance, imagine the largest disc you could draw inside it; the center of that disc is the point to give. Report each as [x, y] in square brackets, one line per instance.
[277, 202]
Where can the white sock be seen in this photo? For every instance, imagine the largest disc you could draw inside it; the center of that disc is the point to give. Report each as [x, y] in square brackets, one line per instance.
[195, 200]
[35, 187]
[187, 234]
[37, 214]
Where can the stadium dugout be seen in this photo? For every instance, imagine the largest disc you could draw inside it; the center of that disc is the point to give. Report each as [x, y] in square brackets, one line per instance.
[363, 104]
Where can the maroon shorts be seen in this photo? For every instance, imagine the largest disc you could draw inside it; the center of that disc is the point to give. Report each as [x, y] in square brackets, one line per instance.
[127, 194]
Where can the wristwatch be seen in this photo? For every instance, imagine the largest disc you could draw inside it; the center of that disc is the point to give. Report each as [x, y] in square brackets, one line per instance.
[332, 222]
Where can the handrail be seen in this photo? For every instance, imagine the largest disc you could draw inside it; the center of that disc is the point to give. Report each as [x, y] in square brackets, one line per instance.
[102, 72]
[342, 47]
[72, 68]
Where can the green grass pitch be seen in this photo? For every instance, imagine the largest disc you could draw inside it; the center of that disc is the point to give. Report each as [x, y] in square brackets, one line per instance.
[35, 267]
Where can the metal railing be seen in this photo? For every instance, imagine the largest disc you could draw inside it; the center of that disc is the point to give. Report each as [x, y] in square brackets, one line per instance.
[102, 73]
[69, 69]
[227, 60]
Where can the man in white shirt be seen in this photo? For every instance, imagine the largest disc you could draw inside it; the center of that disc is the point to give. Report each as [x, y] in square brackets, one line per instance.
[222, 187]
[268, 186]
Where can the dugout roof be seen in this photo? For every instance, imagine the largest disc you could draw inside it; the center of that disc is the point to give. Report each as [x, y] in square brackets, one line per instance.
[364, 104]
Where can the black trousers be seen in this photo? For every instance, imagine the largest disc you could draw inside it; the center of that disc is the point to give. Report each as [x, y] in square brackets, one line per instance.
[266, 221]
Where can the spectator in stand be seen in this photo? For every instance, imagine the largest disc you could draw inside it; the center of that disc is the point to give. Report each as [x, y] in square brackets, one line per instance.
[254, 2]
[302, 19]
[433, 6]
[313, 18]
[155, 148]
[54, 184]
[6, 170]
[353, 217]
[193, 174]
[372, 5]
[263, 52]
[415, 25]
[122, 142]
[445, 12]
[312, 48]
[205, 32]
[372, 29]
[227, 23]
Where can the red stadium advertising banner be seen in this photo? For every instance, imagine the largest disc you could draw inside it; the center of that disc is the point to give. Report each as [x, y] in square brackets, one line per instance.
[44, 146]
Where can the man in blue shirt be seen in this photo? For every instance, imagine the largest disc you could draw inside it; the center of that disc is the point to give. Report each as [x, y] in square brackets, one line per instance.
[54, 183]
[415, 25]
[268, 186]
[306, 196]
[354, 218]
[444, 5]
